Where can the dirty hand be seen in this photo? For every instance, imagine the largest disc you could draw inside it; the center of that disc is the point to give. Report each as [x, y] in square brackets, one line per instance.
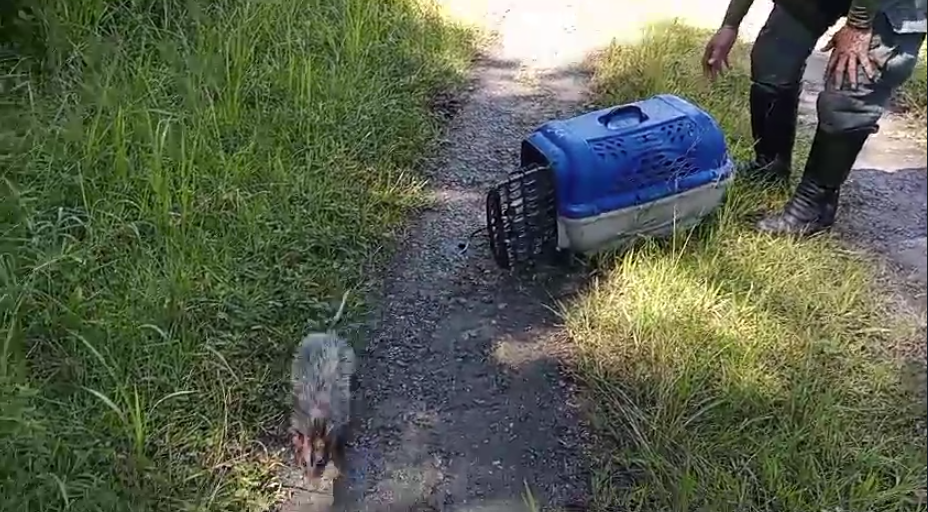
[850, 52]
[715, 58]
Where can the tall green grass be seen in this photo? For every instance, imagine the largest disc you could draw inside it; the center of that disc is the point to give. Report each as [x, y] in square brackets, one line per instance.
[186, 188]
[730, 371]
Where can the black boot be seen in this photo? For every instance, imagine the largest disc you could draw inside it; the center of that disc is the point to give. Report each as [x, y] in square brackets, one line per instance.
[774, 114]
[815, 202]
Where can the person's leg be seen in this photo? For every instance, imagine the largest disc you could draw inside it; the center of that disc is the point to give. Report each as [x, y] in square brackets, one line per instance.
[778, 60]
[846, 118]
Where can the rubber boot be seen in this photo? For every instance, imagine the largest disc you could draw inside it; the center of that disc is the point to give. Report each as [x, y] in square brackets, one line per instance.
[814, 205]
[773, 124]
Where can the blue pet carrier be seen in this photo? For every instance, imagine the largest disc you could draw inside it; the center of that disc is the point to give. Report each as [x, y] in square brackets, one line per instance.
[603, 178]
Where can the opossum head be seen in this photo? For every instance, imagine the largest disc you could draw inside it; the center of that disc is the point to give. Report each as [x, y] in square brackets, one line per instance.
[313, 448]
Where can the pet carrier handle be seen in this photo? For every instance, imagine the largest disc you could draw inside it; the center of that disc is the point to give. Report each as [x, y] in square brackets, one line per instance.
[623, 116]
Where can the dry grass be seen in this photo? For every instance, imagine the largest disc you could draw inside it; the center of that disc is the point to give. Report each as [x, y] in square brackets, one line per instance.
[732, 371]
[185, 187]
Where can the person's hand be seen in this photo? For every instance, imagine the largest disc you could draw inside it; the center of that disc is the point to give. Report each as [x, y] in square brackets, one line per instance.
[715, 58]
[850, 52]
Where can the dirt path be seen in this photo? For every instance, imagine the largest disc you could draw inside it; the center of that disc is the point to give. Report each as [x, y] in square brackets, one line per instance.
[460, 400]
[460, 403]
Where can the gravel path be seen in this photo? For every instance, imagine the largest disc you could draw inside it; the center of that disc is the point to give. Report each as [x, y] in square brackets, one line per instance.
[461, 403]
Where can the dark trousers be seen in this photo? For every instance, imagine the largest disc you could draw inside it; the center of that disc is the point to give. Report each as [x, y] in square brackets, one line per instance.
[779, 56]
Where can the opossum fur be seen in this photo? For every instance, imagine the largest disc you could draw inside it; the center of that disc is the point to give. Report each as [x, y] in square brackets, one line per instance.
[323, 366]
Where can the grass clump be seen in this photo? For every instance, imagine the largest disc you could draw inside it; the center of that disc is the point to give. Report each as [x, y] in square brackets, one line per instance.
[733, 371]
[912, 98]
[186, 186]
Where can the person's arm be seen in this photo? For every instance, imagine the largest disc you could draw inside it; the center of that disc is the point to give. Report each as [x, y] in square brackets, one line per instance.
[861, 14]
[736, 12]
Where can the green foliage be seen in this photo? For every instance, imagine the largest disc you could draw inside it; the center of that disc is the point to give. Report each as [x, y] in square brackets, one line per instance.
[187, 186]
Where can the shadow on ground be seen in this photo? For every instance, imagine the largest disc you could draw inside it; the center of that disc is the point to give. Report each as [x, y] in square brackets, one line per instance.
[885, 210]
[491, 404]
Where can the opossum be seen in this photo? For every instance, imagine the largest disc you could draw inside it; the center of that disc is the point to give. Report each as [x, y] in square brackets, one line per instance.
[323, 367]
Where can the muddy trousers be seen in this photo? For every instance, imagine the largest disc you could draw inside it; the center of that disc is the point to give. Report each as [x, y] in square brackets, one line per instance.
[846, 117]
